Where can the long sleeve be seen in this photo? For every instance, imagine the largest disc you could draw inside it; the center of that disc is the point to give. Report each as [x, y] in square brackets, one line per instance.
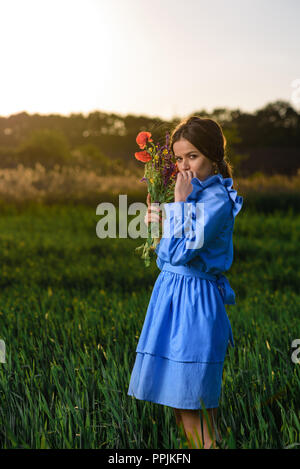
[189, 227]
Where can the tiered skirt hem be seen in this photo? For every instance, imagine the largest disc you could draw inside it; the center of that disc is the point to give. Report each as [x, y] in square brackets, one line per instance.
[181, 385]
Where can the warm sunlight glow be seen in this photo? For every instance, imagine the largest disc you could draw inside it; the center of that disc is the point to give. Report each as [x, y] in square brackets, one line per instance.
[58, 56]
[159, 59]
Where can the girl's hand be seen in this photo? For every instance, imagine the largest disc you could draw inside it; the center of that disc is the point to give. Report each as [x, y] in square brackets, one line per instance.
[183, 186]
[153, 213]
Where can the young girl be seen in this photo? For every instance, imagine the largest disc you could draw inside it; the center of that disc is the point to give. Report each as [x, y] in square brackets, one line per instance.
[186, 331]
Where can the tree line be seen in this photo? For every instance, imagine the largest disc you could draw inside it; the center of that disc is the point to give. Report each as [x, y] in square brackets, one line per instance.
[267, 140]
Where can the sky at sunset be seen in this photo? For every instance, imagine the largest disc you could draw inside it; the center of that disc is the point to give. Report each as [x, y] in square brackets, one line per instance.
[162, 58]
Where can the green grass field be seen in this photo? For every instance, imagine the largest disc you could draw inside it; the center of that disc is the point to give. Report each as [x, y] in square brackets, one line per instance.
[72, 307]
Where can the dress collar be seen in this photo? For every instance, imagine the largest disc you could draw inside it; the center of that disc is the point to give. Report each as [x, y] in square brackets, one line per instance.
[199, 186]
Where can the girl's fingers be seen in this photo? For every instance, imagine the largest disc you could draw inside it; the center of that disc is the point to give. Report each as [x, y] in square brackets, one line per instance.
[155, 208]
[151, 218]
[153, 212]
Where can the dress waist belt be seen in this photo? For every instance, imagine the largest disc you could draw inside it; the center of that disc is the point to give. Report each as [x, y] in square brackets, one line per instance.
[223, 284]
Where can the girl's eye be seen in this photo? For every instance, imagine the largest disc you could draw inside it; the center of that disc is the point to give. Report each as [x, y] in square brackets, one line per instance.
[179, 158]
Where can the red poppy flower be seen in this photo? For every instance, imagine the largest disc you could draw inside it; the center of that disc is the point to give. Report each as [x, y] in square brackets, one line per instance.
[143, 156]
[143, 138]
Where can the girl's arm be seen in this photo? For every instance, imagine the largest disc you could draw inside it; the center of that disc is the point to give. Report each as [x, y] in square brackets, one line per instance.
[187, 233]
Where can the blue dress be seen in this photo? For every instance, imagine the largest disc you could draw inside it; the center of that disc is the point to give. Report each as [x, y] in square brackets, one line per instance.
[182, 346]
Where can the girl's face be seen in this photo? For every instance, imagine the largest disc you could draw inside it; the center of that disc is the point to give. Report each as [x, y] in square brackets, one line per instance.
[189, 158]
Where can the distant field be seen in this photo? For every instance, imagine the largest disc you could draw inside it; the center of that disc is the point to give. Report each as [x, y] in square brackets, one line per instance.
[71, 310]
[74, 184]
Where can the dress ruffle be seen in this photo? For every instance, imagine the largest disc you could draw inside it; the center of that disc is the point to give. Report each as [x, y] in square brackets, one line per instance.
[198, 186]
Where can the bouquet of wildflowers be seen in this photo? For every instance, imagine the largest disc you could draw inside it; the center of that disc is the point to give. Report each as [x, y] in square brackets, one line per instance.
[160, 175]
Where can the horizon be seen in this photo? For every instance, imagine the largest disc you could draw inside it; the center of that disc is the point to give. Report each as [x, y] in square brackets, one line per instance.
[86, 114]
